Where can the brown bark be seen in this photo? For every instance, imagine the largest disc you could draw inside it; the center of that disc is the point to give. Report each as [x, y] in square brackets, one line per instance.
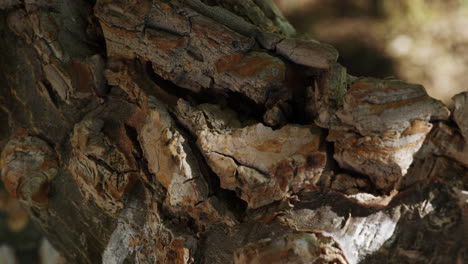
[181, 132]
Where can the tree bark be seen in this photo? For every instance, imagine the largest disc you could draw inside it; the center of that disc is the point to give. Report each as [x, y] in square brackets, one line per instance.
[191, 132]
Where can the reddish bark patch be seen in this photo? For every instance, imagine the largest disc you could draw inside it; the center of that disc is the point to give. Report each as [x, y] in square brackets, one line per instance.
[312, 146]
[167, 45]
[272, 146]
[283, 173]
[253, 65]
[12, 182]
[398, 104]
[417, 127]
[227, 62]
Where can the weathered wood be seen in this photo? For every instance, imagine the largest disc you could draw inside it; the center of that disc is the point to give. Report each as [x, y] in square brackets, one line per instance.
[262, 165]
[183, 132]
[460, 113]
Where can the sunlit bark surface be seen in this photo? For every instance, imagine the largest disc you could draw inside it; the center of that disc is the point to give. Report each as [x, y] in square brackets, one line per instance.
[190, 132]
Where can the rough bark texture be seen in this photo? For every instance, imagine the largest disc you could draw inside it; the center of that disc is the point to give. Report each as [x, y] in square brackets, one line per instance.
[184, 132]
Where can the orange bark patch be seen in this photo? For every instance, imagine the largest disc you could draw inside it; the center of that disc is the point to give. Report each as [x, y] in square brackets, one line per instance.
[137, 120]
[371, 151]
[164, 179]
[133, 242]
[227, 62]
[272, 145]
[12, 181]
[312, 146]
[417, 127]
[398, 104]
[165, 7]
[168, 45]
[253, 65]
[178, 251]
[48, 164]
[283, 173]
[360, 89]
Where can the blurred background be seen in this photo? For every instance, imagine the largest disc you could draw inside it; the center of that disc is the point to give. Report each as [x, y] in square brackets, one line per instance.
[419, 41]
[20, 241]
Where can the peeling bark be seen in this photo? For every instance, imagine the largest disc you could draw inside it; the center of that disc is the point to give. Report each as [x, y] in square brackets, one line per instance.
[195, 132]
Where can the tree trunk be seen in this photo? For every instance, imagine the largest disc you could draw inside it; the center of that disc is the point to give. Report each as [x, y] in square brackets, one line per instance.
[189, 132]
